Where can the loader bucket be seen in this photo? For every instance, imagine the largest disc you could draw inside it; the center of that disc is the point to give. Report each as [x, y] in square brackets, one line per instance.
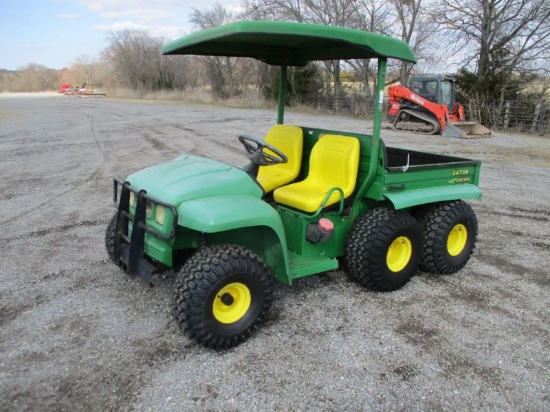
[466, 130]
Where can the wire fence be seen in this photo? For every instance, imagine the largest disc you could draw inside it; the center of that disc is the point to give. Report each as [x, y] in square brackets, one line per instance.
[520, 116]
[512, 116]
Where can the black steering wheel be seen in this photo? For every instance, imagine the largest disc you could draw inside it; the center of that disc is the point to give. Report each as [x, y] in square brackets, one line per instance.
[255, 151]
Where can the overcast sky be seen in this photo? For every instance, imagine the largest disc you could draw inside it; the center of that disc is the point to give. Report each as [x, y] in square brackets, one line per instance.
[54, 32]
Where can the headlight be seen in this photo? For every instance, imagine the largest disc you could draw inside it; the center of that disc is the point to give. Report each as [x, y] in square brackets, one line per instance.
[132, 199]
[160, 212]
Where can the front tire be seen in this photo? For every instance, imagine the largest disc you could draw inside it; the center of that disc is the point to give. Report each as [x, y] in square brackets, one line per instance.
[383, 249]
[110, 242]
[449, 235]
[222, 294]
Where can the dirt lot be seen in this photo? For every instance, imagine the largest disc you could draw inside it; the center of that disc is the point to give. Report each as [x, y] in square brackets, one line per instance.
[78, 334]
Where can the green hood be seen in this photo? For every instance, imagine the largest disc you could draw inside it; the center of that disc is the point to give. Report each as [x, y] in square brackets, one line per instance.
[192, 177]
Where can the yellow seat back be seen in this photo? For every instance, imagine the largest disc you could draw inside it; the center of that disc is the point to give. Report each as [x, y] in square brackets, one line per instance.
[333, 163]
[290, 140]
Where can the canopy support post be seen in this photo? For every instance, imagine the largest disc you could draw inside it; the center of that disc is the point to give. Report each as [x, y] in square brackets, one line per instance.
[375, 145]
[379, 97]
[282, 97]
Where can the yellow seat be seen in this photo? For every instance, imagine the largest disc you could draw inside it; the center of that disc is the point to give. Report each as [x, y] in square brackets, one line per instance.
[333, 163]
[290, 140]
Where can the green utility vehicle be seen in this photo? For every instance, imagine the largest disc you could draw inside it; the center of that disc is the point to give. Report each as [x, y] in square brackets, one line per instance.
[310, 201]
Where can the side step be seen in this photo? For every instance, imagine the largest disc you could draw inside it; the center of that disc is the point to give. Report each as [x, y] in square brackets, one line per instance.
[301, 266]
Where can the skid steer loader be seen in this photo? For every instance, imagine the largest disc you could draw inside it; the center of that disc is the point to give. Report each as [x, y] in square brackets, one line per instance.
[429, 106]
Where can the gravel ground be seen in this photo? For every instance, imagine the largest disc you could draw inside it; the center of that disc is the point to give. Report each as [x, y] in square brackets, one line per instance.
[78, 334]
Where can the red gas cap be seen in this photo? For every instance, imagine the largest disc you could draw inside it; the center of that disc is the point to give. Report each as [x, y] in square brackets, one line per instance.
[325, 225]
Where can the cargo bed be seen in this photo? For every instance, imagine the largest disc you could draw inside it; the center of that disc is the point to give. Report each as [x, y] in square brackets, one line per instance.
[405, 177]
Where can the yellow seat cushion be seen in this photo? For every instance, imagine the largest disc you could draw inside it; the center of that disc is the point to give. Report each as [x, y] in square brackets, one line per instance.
[290, 140]
[333, 162]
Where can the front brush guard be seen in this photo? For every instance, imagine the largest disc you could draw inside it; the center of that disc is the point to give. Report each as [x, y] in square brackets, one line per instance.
[130, 250]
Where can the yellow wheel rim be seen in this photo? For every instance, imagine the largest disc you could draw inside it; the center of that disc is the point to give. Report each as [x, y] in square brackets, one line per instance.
[399, 254]
[457, 239]
[231, 303]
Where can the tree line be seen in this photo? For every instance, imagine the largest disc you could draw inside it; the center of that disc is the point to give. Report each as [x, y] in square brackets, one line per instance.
[497, 49]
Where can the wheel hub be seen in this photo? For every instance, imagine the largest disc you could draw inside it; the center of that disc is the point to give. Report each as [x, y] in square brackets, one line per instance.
[399, 254]
[227, 299]
[456, 241]
[231, 303]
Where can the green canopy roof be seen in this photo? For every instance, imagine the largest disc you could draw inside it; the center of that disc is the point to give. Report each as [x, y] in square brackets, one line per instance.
[292, 44]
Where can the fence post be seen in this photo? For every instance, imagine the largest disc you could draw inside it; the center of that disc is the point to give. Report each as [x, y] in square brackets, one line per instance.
[535, 118]
[506, 115]
[544, 120]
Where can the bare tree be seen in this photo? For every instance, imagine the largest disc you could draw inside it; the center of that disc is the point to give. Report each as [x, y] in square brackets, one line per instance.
[176, 72]
[31, 78]
[291, 10]
[341, 13]
[405, 19]
[136, 58]
[373, 16]
[414, 24]
[220, 69]
[83, 70]
[499, 36]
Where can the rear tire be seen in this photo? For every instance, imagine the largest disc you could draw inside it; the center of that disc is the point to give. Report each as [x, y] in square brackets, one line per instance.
[221, 295]
[383, 249]
[449, 235]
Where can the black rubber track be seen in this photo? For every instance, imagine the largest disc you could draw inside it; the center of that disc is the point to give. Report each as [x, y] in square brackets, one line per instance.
[203, 276]
[367, 246]
[110, 242]
[437, 220]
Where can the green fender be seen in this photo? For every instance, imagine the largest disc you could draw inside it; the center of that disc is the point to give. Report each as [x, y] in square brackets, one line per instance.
[242, 219]
[415, 197]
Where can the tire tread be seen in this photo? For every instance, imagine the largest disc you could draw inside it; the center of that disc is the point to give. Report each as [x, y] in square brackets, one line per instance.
[436, 220]
[203, 272]
[366, 249]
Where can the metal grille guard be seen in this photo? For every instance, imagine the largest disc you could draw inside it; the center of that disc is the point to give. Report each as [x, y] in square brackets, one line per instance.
[130, 249]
